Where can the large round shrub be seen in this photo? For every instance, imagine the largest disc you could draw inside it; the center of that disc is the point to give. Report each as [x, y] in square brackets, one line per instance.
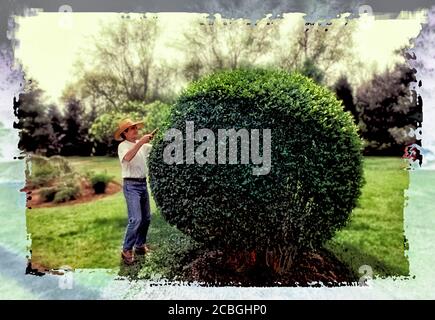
[316, 171]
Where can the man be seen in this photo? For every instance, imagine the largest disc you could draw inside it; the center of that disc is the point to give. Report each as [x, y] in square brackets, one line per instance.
[133, 154]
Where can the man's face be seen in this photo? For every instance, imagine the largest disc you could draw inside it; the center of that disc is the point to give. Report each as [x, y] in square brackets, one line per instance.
[131, 133]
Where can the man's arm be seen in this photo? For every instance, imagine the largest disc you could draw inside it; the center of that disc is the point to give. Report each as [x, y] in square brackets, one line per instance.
[132, 152]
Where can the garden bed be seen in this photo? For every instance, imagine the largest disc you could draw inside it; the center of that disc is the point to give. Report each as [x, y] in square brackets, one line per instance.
[52, 181]
[87, 194]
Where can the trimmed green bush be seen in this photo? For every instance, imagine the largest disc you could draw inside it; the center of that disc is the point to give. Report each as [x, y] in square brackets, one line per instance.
[315, 177]
[100, 181]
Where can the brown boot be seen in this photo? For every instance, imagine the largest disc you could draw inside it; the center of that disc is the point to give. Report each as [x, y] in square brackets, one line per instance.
[141, 250]
[127, 256]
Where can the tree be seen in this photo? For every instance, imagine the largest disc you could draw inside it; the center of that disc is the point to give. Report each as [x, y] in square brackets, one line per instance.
[35, 129]
[324, 46]
[76, 140]
[102, 132]
[343, 90]
[123, 66]
[57, 132]
[220, 44]
[157, 114]
[388, 110]
[311, 70]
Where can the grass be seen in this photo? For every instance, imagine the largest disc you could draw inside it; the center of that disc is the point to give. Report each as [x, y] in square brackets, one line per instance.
[97, 164]
[375, 235]
[89, 235]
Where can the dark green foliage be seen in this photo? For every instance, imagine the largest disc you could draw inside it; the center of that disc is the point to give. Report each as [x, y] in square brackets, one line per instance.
[35, 129]
[57, 134]
[76, 141]
[388, 110]
[311, 70]
[316, 173]
[99, 181]
[343, 90]
[45, 131]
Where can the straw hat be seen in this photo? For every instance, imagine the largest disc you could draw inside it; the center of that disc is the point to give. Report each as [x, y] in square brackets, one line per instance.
[124, 125]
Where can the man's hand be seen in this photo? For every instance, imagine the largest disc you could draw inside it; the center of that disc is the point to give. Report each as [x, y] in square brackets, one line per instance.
[146, 138]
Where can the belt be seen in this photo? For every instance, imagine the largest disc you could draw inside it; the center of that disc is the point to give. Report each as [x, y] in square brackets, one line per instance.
[136, 179]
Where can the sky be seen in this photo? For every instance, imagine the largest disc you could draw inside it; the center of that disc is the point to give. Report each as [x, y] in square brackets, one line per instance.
[50, 43]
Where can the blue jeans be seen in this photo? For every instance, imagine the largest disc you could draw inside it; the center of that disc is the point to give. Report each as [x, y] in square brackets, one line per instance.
[139, 214]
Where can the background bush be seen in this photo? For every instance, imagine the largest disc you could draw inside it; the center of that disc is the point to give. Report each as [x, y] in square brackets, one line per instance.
[66, 194]
[47, 193]
[157, 115]
[388, 111]
[64, 191]
[42, 171]
[316, 173]
[60, 165]
[55, 177]
[99, 181]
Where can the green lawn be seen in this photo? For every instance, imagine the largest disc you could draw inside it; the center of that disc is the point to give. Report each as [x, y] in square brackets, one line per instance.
[97, 164]
[375, 235]
[89, 235]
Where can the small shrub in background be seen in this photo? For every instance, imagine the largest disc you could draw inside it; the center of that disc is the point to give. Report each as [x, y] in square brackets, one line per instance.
[47, 193]
[100, 181]
[66, 194]
[55, 178]
[40, 173]
[60, 164]
[45, 171]
[61, 191]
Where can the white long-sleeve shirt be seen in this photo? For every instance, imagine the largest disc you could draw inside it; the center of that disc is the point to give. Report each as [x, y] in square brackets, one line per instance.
[138, 166]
